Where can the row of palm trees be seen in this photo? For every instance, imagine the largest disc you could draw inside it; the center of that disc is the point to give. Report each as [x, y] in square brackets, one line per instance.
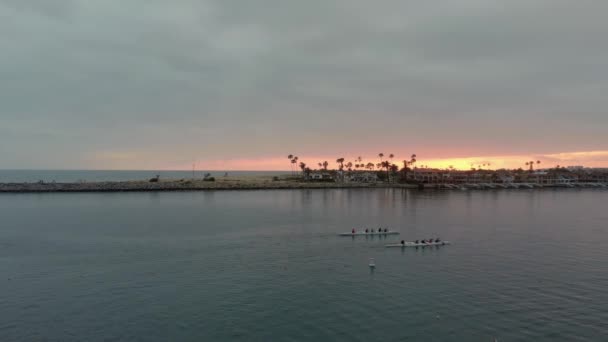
[531, 164]
[385, 165]
[357, 164]
[293, 160]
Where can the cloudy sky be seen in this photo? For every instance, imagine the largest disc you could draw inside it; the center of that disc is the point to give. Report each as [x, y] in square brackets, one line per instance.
[151, 84]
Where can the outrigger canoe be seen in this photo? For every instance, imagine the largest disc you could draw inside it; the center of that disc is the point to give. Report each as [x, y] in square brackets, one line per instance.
[368, 234]
[419, 244]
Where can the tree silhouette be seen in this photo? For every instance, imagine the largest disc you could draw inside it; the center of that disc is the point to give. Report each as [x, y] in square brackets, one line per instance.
[406, 164]
[386, 164]
[341, 162]
[294, 161]
[290, 157]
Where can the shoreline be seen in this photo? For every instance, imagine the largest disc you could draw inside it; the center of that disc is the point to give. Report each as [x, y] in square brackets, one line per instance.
[174, 186]
[250, 183]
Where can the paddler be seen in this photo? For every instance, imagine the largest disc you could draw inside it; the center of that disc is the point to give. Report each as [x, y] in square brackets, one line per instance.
[353, 231]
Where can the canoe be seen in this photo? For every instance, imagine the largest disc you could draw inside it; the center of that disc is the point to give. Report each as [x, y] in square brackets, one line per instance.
[413, 244]
[368, 234]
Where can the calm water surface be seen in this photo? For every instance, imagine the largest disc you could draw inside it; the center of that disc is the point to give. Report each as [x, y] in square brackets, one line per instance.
[267, 266]
[69, 176]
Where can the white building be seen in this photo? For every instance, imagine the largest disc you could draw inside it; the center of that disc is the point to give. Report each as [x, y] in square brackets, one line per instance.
[362, 177]
[315, 175]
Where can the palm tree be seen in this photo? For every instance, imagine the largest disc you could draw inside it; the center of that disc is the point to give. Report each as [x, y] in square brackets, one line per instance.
[302, 167]
[293, 164]
[531, 164]
[381, 155]
[325, 164]
[394, 168]
[290, 157]
[370, 166]
[341, 162]
[386, 164]
[391, 156]
[349, 166]
[407, 163]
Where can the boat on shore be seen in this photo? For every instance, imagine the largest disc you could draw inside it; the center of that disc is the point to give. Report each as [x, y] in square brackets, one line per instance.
[419, 244]
[390, 232]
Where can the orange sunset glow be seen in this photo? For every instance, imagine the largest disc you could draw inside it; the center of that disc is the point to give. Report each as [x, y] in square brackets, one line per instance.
[588, 159]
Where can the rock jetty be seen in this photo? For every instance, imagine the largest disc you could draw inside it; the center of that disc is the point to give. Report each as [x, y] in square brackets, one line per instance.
[229, 183]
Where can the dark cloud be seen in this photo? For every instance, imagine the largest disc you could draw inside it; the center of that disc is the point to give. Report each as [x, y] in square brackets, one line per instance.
[240, 77]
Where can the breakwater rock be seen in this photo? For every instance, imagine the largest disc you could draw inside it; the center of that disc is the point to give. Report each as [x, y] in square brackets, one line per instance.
[181, 185]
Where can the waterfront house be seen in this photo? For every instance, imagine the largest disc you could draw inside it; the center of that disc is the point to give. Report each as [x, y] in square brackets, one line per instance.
[320, 176]
[362, 177]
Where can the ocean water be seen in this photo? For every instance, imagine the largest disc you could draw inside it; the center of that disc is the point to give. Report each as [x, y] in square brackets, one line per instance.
[268, 266]
[68, 176]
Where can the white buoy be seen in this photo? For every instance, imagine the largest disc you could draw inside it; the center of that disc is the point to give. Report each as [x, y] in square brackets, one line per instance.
[372, 263]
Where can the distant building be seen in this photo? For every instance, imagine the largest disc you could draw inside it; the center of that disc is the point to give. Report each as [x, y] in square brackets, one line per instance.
[362, 177]
[320, 176]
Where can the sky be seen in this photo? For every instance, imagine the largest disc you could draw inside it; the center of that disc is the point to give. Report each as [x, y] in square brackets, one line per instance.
[225, 84]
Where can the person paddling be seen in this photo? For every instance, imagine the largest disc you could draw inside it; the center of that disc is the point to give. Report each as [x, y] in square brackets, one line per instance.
[402, 242]
[353, 231]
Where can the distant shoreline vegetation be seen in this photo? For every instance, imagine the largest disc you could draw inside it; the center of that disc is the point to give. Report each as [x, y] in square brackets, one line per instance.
[385, 170]
[345, 174]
